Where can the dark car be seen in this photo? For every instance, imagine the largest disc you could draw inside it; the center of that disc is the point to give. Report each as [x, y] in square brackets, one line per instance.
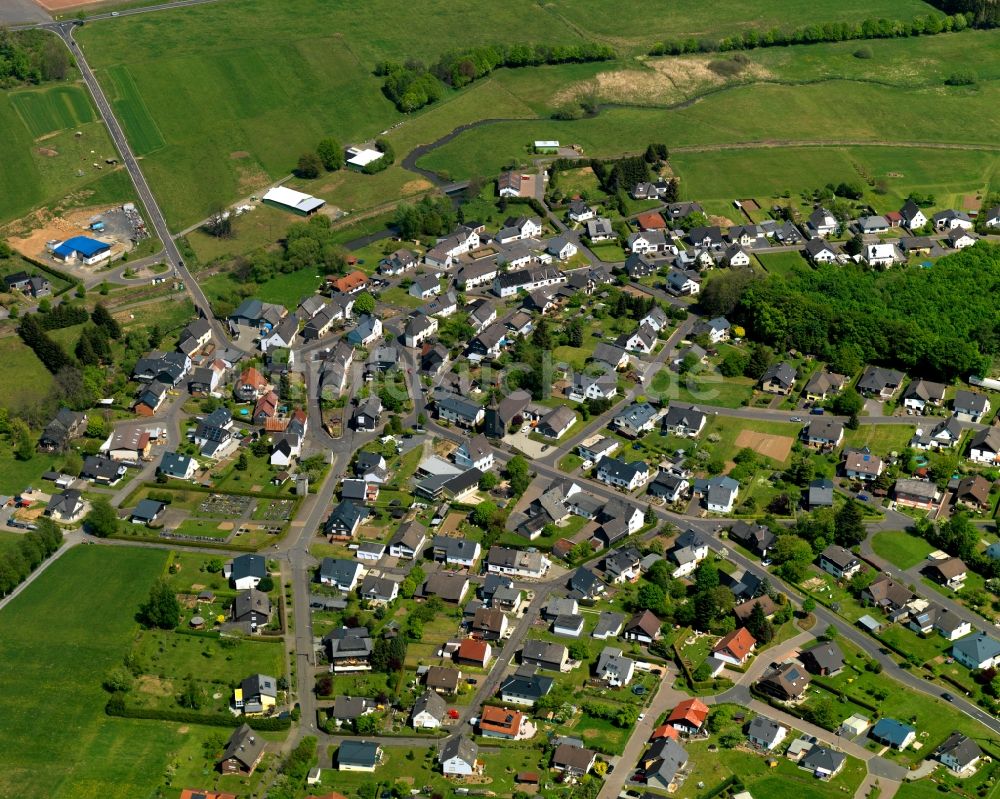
[947, 697]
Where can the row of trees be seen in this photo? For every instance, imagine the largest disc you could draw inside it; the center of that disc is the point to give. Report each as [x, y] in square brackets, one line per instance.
[413, 85]
[937, 322]
[17, 562]
[871, 28]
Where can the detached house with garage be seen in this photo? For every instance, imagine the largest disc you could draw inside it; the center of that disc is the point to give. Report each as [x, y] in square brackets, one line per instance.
[913, 217]
[921, 393]
[778, 379]
[984, 447]
[977, 651]
[621, 474]
[636, 420]
[839, 562]
[970, 406]
[880, 383]
[643, 628]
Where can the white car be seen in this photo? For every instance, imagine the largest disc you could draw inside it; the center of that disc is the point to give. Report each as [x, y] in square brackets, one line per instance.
[587, 465]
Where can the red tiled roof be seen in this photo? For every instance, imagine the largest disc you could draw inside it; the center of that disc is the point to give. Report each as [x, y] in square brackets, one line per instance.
[693, 711]
[350, 281]
[498, 719]
[651, 221]
[739, 643]
[665, 731]
[251, 377]
[471, 649]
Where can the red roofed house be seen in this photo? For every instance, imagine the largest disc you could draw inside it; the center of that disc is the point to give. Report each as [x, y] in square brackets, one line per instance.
[651, 221]
[664, 731]
[476, 653]
[689, 716]
[266, 407]
[350, 283]
[250, 385]
[736, 647]
[497, 722]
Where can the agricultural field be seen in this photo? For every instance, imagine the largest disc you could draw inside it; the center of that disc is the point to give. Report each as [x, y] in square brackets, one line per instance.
[50, 140]
[55, 713]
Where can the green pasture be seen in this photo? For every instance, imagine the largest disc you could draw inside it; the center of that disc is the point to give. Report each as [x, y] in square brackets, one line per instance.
[57, 741]
[48, 110]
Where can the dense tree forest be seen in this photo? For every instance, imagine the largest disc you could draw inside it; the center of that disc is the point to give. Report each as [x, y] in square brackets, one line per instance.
[984, 13]
[940, 322]
[31, 57]
[413, 85]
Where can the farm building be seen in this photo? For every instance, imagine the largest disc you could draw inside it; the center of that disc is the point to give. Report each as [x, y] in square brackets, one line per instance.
[295, 201]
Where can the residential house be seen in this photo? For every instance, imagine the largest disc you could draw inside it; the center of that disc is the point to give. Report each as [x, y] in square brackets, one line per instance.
[839, 562]
[764, 733]
[379, 590]
[489, 343]
[418, 329]
[622, 565]
[870, 225]
[455, 551]
[102, 471]
[913, 217]
[642, 340]
[779, 378]
[984, 446]
[959, 753]
[689, 549]
[959, 240]
[668, 486]
[166, 367]
[252, 609]
[443, 680]
[340, 573]
[557, 422]
[398, 262]
[452, 408]
[345, 519]
[600, 229]
[408, 541]
[597, 386]
[444, 253]
[636, 419]
[717, 329]
[367, 331]
[735, 256]
[243, 752]
[661, 764]
[977, 651]
[573, 761]
[949, 572]
[348, 709]
[970, 406]
[66, 507]
[358, 756]
[892, 733]
[614, 668]
[973, 492]
[637, 265]
[245, 571]
[517, 563]
[683, 282]
[349, 649]
[611, 355]
[250, 385]
[822, 223]
[525, 686]
[915, 493]
[424, 287]
[474, 652]
[428, 711]
[881, 254]
[820, 251]
[824, 660]
[545, 655]
[497, 722]
[459, 757]
[887, 594]
[735, 648]
[489, 624]
[66, 426]
[446, 586]
[366, 415]
[482, 313]
[682, 420]
[952, 220]
[820, 494]
[257, 695]
[880, 383]
[822, 384]
[689, 716]
[823, 762]
[753, 536]
[579, 211]
[786, 681]
[862, 465]
[622, 474]
[719, 493]
[920, 393]
[643, 628]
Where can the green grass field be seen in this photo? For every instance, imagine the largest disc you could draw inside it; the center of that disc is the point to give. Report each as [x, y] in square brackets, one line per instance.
[782, 263]
[901, 549]
[881, 439]
[34, 379]
[57, 742]
[43, 158]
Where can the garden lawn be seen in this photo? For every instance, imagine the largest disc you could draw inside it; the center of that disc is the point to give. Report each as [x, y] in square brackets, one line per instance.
[56, 739]
[900, 548]
[782, 263]
[881, 439]
[16, 475]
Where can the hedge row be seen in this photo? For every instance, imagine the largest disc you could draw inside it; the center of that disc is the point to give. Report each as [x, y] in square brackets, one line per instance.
[116, 707]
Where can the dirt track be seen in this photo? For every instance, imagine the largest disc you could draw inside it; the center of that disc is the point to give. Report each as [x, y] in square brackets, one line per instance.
[775, 447]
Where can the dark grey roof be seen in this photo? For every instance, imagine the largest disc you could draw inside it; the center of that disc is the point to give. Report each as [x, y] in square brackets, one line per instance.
[358, 753]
